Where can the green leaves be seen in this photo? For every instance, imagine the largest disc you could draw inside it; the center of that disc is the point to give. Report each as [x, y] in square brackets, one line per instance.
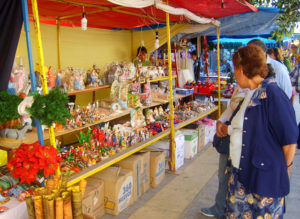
[9, 106]
[289, 15]
[50, 108]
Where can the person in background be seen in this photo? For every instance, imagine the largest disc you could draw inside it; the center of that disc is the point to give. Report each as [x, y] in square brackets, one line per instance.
[278, 54]
[196, 65]
[263, 138]
[218, 209]
[295, 78]
[282, 75]
[141, 57]
[286, 60]
[271, 53]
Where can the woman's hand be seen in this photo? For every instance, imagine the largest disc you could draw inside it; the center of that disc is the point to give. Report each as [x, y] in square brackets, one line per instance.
[289, 153]
[222, 129]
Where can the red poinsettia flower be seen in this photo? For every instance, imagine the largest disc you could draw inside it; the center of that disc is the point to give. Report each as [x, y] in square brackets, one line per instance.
[29, 159]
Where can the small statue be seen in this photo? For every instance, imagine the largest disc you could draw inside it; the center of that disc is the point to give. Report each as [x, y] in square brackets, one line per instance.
[15, 133]
[76, 81]
[58, 79]
[51, 77]
[19, 79]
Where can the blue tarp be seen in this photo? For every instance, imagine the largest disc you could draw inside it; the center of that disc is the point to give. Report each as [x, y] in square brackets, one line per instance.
[249, 24]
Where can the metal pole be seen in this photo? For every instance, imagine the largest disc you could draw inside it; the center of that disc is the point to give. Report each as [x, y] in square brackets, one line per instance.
[218, 60]
[58, 43]
[172, 137]
[30, 61]
[41, 61]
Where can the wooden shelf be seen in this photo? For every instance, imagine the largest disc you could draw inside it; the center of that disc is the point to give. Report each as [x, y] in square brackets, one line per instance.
[131, 150]
[115, 158]
[179, 96]
[93, 89]
[88, 90]
[211, 95]
[193, 119]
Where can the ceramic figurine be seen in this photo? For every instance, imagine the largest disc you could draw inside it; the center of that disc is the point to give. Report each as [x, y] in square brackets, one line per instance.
[11, 84]
[19, 77]
[81, 80]
[76, 81]
[51, 77]
[58, 79]
[15, 133]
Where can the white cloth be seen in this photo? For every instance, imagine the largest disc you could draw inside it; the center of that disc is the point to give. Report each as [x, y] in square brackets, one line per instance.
[238, 94]
[282, 76]
[166, 8]
[236, 131]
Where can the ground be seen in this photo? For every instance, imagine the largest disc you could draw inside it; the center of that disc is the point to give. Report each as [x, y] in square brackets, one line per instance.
[183, 194]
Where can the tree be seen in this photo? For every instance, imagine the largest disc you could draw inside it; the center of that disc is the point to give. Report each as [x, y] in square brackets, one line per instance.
[288, 18]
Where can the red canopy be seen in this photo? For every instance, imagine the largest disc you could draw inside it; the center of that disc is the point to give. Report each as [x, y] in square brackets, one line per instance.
[103, 14]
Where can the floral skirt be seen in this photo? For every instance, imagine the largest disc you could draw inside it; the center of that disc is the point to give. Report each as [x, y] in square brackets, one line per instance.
[242, 204]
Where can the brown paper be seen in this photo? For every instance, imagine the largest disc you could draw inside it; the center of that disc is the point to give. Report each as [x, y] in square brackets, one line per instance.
[59, 208]
[51, 209]
[67, 205]
[40, 191]
[38, 207]
[45, 207]
[57, 181]
[77, 204]
[30, 207]
[50, 185]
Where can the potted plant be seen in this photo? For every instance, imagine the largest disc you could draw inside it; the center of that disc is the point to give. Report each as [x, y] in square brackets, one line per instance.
[50, 108]
[9, 116]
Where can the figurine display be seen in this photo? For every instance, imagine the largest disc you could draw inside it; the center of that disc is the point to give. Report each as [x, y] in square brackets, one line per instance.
[51, 77]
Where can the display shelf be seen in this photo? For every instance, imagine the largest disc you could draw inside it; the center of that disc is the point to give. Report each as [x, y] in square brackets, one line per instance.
[162, 79]
[115, 158]
[179, 96]
[31, 137]
[195, 118]
[88, 90]
[211, 95]
[93, 89]
[131, 150]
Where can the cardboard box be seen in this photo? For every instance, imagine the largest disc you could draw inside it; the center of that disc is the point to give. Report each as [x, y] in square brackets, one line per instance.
[144, 180]
[164, 145]
[201, 138]
[157, 167]
[134, 163]
[93, 200]
[117, 190]
[190, 143]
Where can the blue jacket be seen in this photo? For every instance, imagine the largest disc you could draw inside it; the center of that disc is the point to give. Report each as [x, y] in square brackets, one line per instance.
[269, 124]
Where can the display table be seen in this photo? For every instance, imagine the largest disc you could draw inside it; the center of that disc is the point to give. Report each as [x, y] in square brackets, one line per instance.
[16, 210]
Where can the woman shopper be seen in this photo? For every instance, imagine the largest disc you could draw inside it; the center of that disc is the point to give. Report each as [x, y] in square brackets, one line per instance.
[263, 138]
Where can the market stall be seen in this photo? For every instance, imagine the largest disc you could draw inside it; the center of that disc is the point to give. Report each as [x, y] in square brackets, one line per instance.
[162, 122]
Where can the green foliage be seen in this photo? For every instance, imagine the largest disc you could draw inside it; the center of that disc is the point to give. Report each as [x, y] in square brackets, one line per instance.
[9, 106]
[289, 15]
[50, 108]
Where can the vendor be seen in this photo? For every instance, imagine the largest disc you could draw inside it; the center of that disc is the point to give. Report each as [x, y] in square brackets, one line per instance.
[141, 57]
[196, 65]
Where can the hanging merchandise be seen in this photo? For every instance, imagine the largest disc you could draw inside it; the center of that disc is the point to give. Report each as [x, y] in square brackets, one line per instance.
[156, 40]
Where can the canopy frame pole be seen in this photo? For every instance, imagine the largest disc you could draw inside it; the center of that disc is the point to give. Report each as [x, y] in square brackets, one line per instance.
[30, 62]
[41, 62]
[219, 72]
[58, 43]
[172, 134]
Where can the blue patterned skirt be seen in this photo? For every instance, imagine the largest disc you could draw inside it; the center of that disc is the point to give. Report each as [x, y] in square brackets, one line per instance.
[242, 204]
